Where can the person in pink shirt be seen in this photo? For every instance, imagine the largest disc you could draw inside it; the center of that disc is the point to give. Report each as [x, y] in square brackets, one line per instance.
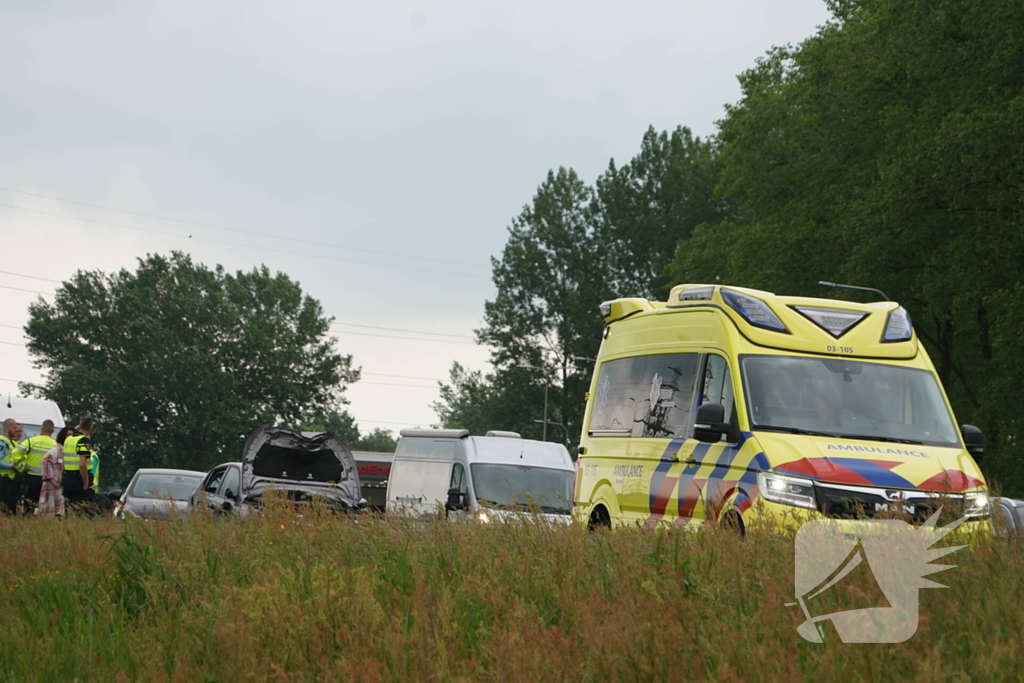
[51, 496]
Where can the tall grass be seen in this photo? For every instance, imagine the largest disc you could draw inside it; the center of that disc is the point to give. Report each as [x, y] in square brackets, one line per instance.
[281, 598]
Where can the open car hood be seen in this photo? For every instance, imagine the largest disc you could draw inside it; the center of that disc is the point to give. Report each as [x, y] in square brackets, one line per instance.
[322, 465]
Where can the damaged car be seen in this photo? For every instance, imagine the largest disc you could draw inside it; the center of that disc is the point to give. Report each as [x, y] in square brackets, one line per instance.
[301, 469]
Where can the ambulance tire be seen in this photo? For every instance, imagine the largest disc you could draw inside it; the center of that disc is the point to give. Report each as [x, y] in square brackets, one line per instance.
[599, 519]
[733, 521]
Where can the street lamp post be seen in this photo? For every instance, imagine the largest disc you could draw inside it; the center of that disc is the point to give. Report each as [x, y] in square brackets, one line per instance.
[544, 431]
[557, 424]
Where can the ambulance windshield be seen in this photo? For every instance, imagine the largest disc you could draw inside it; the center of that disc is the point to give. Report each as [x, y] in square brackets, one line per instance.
[847, 399]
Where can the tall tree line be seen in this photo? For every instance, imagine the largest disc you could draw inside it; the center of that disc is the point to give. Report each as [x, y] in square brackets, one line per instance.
[885, 150]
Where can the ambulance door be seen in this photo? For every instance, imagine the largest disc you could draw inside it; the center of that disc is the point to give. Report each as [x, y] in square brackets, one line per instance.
[609, 427]
[710, 478]
[661, 399]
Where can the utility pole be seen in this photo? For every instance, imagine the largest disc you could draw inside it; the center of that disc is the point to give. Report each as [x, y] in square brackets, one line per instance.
[544, 431]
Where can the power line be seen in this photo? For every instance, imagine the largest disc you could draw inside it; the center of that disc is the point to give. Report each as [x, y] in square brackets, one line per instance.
[239, 244]
[240, 231]
[381, 374]
[369, 327]
[353, 384]
[11, 343]
[13, 327]
[387, 336]
[388, 422]
[360, 334]
[30, 291]
[395, 329]
[31, 277]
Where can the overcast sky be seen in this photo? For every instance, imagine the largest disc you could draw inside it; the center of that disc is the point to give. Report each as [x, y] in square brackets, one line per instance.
[407, 134]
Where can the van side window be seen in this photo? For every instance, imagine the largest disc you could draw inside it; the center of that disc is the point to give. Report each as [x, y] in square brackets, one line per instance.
[458, 478]
[718, 385]
[645, 396]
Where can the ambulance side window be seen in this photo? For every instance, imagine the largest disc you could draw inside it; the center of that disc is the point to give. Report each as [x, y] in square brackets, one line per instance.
[718, 385]
[645, 396]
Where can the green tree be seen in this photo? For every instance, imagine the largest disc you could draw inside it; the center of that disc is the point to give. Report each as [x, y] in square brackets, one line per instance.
[377, 441]
[180, 363]
[509, 399]
[341, 422]
[648, 205]
[886, 151]
[550, 280]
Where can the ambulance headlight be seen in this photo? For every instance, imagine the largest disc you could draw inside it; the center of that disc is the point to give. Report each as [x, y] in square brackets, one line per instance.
[754, 311]
[787, 490]
[977, 504]
[483, 516]
[898, 328]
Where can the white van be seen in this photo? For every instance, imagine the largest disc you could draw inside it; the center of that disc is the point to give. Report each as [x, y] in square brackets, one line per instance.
[484, 477]
[30, 413]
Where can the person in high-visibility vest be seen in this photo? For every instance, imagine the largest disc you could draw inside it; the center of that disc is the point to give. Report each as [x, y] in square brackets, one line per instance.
[36, 448]
[77, 453]
[12, 464]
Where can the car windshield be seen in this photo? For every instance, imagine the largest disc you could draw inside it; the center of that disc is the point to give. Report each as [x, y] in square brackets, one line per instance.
[846, 398]
[523, 486]
[164, 486]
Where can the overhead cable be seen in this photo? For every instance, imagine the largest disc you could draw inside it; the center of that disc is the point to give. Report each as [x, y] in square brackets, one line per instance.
[395, 329]
[243, 232]
[192, 238]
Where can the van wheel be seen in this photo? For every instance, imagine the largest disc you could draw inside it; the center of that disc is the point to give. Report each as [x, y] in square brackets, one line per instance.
[733, 521]
[599, 519]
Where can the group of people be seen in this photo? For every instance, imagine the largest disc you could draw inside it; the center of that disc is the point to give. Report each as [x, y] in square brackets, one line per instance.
[43, 474]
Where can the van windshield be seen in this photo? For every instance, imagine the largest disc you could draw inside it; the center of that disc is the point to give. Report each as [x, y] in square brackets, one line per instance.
[845, 398]
[523, 486]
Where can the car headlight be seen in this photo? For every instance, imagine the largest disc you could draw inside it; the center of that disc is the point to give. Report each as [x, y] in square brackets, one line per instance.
[787, 490]
[977, 504]
[483, 516]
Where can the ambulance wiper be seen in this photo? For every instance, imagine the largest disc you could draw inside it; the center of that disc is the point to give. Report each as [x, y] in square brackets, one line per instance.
[875, 437]
[790, 430]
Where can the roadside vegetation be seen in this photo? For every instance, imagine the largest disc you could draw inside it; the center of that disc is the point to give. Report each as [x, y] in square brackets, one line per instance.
[278, 598]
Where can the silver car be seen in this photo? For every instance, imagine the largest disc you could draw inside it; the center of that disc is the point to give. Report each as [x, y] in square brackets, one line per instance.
[158, 493]
[1008, 517]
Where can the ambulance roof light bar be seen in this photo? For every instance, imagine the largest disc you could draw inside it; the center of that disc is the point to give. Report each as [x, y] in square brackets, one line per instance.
[862, 289]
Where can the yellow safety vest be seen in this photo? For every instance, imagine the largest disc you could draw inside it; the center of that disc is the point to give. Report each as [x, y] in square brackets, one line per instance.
[36, 447]
[72, 453]
[15, 456]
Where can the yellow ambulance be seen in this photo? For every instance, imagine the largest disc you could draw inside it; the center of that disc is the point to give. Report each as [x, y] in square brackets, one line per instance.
[731, 404]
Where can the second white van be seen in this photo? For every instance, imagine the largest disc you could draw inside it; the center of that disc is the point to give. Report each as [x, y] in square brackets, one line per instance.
[481, 477]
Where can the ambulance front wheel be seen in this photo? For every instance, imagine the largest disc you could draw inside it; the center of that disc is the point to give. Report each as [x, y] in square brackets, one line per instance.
[599, 518]
[733, 521]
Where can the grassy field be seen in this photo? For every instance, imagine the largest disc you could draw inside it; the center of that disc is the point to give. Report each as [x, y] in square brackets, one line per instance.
[383, 600]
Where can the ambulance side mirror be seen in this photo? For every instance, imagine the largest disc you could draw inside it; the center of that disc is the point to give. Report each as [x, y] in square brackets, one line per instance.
[711, 426]
[974, 440]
